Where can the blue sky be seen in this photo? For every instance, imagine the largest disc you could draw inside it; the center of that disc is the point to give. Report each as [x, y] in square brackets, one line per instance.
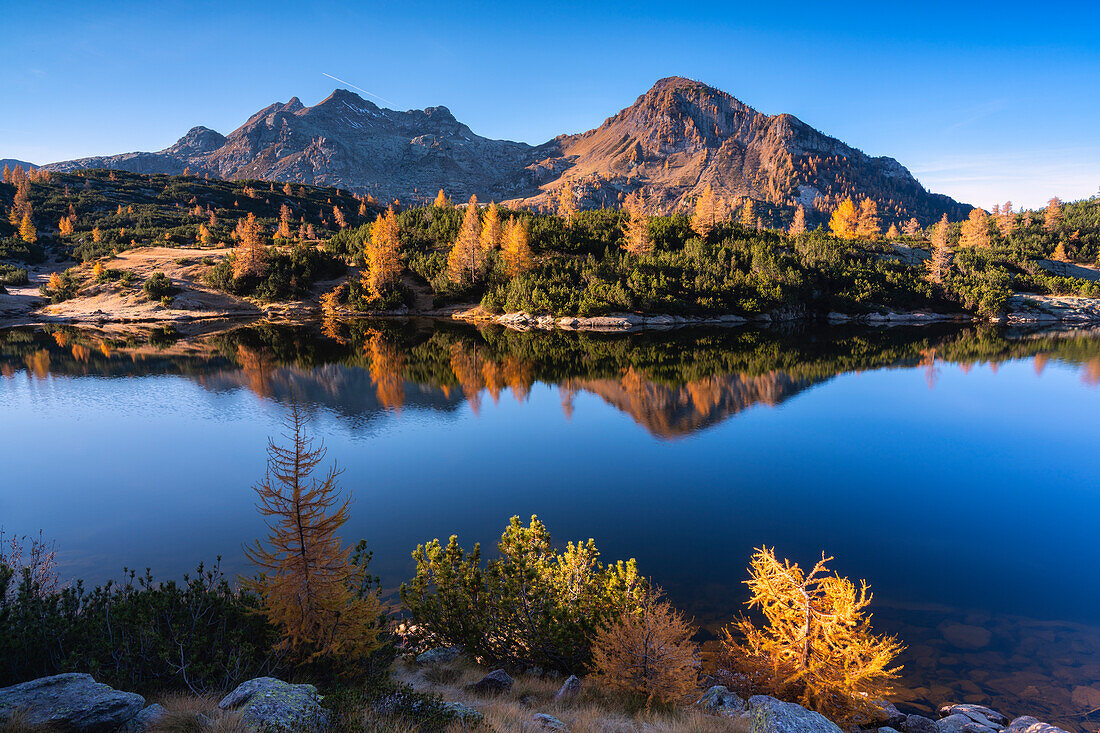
[982, 101]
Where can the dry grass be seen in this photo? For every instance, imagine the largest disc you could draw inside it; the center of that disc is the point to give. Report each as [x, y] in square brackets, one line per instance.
[183, 716]
[18, 723]
[589, 712]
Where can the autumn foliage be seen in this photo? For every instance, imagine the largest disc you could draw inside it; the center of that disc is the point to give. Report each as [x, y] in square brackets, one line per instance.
[648, 653]
[816, 644]
[313, 590]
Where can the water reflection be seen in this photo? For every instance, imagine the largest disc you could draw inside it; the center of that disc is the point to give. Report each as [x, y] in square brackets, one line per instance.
[671, 384]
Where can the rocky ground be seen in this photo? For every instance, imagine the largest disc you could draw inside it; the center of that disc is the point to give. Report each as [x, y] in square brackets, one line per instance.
[468, 697]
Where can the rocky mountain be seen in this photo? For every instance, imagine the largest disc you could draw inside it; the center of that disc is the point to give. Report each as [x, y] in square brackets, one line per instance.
[676, 139]
[13, 163]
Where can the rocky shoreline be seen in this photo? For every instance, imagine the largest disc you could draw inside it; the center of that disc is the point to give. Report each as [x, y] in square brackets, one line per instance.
[76, 702]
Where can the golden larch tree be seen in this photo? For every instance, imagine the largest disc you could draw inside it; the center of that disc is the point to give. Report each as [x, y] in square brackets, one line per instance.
[441, 200]
[748, 214]
[27, 232]
[648, 652]
[465, 260]
[816, 643]
[284, 222]
[309, 583]
[516, 250]
[975, 230]
[706, 212]
[567, 202]
[941, 252]
[287, 190]
[491, 231]
[845, 220]
[798, 223]
[868, 225]
[383, 255]
[1052, 217]
[636, 238]
[892, 233]
[1006, 219]
[250, 255]
[65, 226]
[911, 228]
[338, 217]
[97, 236]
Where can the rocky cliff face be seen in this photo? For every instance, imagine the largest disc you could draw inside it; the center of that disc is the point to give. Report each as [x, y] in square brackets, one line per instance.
[679, 137]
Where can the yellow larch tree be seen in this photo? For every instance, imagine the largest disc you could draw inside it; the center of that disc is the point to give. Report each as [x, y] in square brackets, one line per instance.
[338, 217]
[868, 225]
[748, 214]
[250, 255]
[516, 250]
[466, 258]
[636, 238]
[205, 237]
[491, 231]
[705, 214]
[798, 223]
[1052, 217]
[567, 202]
[893, 233]
[65, 226]
[284, 222]
[383, 255]
[441, 200]
[310, 584]
[816, 643]
[648, 652]
[975, 230]
[941, 252]
[911, 228]
[1006, 219]
[844, 220]
[27, 232]
[97, 236]
[287, 190]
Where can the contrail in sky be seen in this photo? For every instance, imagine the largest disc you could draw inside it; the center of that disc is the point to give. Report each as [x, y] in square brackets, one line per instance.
[364, 91]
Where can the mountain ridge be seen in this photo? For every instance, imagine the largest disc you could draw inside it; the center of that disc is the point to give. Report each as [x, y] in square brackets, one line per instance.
[677, 138]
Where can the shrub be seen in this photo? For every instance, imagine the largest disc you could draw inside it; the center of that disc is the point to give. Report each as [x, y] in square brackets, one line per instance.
[11, 275]
[138, 635]
[529, 607]
[648, 653]
[816, 644]
[159, 286]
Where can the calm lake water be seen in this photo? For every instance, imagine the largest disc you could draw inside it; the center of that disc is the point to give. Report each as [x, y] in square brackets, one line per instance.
[958, 470]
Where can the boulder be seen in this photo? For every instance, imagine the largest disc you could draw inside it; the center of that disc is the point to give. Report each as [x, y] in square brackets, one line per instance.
[464, 714]
[964, 636]
[888, 716]
[569, 689]
[439, 655]
[959, 723]
[918, 724]
[768, 715]
[1028, 724]
[980, 714]
[888, 730]
[543, 721]
[71, 702]
[145, 719]
[718, 700]
[493, 683]
[270, 704]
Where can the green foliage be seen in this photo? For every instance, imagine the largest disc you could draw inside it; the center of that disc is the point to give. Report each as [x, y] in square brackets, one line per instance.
[138, 635]
[159, 286]
[12, 275]
[529, 606]
[289, 275]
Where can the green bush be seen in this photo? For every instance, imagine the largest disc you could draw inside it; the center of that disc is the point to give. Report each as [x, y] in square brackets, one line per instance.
[159, 286]
[138, 635]
[12, 275]
[529, 607]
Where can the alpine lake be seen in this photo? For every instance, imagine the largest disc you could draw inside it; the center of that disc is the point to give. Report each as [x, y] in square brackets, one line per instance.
[955, 468]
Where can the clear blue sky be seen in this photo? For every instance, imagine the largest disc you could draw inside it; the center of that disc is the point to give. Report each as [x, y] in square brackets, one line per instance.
[983, 101]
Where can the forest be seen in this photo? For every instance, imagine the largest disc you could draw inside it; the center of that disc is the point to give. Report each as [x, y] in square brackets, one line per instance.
[718, 258]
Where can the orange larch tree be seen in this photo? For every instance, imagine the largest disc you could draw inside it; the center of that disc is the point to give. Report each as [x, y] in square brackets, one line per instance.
[636, 238]
[705, 214]
[868, 225]
[516, 250]
[466, 258]
[250, 256]
[845, 220]
[798, 224]
[383, 255]
[491, 232]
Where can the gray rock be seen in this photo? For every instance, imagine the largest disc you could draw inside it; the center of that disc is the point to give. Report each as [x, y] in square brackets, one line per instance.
[493, 683]
[718, 700]
[978, 713]
[72, 702]
[271, 704]
[145, 719]
[959, 723]
[464, 713]
[888, 730]
[918, 724]
[1028, 724]
[570, 688]
[440, 655]
[543, 721]
[888, 715]
[768, 715]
